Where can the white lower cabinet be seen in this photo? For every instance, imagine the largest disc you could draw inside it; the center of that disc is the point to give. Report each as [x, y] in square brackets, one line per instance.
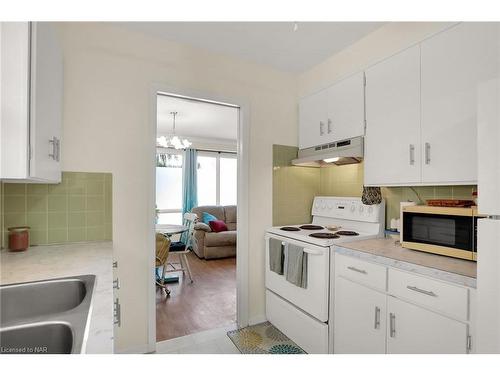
[396, 320]
[359, 322]
[415, 330]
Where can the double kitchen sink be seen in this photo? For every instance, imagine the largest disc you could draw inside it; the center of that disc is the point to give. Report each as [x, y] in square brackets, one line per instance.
[46, 317]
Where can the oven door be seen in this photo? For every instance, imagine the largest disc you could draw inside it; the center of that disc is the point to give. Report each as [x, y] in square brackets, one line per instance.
[450, 235]
[314, 298]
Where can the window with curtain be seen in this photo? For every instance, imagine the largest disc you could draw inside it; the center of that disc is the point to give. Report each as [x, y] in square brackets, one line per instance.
[217, 182]
[217, 178]
[169, 186]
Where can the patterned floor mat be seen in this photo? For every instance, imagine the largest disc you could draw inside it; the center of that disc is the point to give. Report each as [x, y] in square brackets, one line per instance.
[263, 338]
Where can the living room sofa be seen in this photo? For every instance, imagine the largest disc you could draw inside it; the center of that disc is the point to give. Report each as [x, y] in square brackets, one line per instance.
[211, 245]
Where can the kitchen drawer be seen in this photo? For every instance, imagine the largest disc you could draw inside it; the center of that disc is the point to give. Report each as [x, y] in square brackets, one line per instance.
[366, 273]
[438, 296]
[310, 334]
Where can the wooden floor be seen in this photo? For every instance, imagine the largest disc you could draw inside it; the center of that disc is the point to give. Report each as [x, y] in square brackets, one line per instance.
[208, 303]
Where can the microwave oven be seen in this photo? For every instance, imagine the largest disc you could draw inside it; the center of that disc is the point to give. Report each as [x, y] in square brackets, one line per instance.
[449, 231]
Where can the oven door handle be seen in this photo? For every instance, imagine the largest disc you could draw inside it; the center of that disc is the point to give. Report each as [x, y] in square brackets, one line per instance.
[313, 252]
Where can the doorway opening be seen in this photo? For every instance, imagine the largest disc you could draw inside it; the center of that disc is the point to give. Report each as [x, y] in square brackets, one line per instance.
[197, 185]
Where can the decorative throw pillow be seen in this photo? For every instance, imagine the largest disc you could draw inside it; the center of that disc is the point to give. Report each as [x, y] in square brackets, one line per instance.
[217, 226]
[207, 218]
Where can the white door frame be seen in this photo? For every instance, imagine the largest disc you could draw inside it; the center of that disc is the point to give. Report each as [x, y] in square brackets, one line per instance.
[242, 247]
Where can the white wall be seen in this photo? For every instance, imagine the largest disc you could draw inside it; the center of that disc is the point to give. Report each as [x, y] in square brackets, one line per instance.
[109, 73]
[378, 45]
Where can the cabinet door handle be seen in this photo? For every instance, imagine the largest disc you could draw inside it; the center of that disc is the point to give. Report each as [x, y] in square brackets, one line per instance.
[53, 141]
[412, 154]
[321, 125]
[356, 270]
[329, 127]
[58, 149]
[427, 153]
[418, 290]
[117, 313]
[377, 317]
[392, 325]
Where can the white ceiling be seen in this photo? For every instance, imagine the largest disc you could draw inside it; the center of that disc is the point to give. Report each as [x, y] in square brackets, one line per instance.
[269, 43]
[196, 119]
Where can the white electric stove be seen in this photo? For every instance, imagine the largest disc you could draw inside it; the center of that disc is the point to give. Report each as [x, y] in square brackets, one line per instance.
[303, 314]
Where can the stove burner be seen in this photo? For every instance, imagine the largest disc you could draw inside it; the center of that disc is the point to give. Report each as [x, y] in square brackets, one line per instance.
[324, 235]
[347, 233]
[290, 229]
[311, 227]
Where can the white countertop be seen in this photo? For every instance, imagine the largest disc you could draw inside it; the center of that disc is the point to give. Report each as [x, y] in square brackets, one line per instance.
[48, 262]
[386, 252]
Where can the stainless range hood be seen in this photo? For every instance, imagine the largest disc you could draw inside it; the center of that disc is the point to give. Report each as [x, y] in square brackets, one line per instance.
[349, 151]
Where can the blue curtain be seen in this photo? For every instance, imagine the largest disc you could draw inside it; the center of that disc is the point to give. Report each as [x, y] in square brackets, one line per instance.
[189, 183]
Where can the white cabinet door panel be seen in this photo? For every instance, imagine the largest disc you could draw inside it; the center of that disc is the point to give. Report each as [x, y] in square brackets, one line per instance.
[346, 109]
[414, 330]
[14, 99]
[392, 152]
[454, 63]
[359, 319]
[312, 120]
[46, 102]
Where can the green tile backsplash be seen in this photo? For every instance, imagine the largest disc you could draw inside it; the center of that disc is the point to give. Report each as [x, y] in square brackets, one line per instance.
[295, 187]
[76, 210]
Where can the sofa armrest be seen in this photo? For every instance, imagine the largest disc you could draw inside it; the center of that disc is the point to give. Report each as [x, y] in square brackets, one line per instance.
[200, 230]
[202, 226]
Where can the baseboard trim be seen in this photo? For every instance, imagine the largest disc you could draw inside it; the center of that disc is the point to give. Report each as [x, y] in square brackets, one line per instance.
[257, 319]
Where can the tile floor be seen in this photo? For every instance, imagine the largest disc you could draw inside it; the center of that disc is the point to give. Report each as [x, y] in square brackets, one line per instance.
[214, 341]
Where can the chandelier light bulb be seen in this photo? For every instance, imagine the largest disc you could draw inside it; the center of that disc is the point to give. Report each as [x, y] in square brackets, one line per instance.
[174, 141]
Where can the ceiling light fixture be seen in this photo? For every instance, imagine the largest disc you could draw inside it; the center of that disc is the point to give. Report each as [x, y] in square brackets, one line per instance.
[174, 141]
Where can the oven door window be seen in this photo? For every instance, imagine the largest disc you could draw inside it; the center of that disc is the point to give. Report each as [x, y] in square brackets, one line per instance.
[441, 230]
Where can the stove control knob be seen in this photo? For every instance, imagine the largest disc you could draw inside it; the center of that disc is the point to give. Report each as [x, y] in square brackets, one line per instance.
[323, 205]
[370, 210]
[361, 209]
[330, 206]
[316, 204]
[353, 208]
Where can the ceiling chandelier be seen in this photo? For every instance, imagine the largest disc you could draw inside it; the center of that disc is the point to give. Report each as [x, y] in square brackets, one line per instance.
[173, 141]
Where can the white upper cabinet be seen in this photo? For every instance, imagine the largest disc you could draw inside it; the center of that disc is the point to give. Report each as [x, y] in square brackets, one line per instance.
[346, 109]
[31, 102]
[421, 108]
[333, 114]
[312, 119]
[454, 64]
[392, 143]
